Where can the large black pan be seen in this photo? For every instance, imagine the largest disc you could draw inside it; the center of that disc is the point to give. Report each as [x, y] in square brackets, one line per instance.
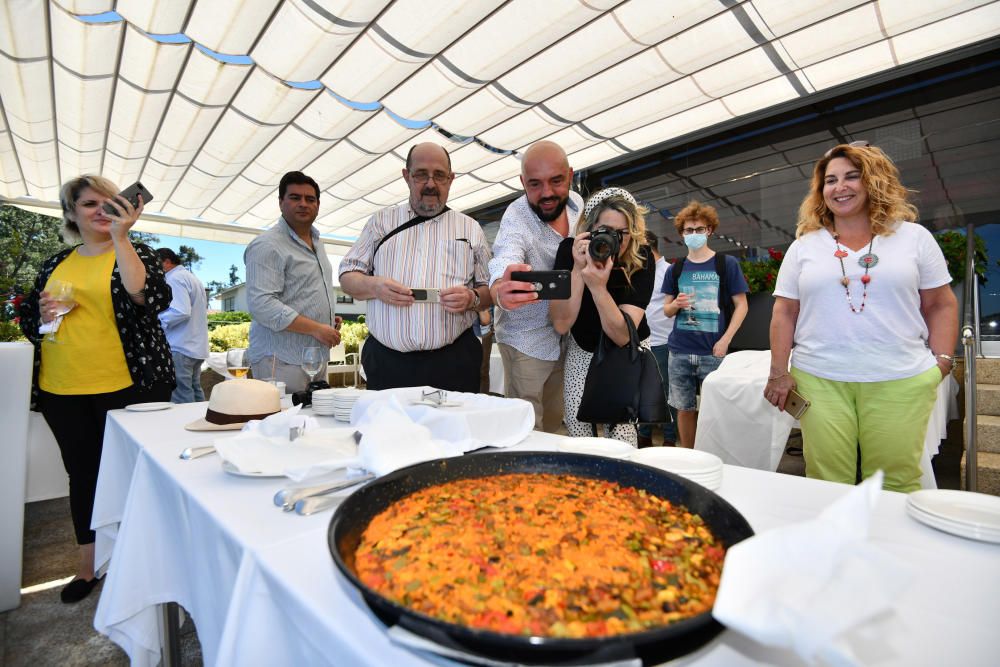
[652, 646]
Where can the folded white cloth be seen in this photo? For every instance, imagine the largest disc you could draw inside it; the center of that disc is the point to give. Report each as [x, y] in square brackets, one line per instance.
[485, 420]
[391, 440]
[815, 586]
[264, 447]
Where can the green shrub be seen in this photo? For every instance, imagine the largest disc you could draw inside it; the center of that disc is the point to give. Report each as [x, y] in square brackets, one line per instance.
[352, 333]
[228, 336]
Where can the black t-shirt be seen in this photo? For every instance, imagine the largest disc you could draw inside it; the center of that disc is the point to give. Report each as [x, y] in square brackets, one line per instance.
[587, 328]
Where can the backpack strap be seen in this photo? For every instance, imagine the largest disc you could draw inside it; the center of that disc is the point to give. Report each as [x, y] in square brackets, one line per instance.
[675, 274]
[413, 222]
[725, 299]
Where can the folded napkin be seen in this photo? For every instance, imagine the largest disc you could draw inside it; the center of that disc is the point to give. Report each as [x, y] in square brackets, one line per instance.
[263, 447]
[391, 440]
[814, 587]
[484, 420]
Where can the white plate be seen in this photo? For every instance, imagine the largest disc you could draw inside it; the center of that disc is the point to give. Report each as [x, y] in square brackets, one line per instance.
[233, 470]
[969, 532]
[964, 507]
[678, 460]
[149, 407]
[615, 449]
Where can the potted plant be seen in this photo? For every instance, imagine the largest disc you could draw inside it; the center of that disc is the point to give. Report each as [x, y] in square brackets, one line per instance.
[761, 274]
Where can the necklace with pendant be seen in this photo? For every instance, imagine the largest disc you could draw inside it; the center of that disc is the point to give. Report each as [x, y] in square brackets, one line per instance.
[866, 261]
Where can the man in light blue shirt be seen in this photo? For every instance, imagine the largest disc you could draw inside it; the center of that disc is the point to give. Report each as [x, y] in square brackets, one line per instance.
[290, 289]
[185, 323]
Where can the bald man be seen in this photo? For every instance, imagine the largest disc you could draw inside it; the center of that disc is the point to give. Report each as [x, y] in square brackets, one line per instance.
[530, 232]
[423, 269]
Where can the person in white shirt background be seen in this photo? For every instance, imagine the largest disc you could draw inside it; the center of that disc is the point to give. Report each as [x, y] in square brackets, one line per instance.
[660, 327]
[185, 323]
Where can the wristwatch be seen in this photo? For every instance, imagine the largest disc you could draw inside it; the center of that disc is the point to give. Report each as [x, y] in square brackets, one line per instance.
[475, 299]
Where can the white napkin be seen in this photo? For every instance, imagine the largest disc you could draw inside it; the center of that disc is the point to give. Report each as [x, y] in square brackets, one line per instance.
[390, 439]
[263, 447]
[815, 586]
[484, 420]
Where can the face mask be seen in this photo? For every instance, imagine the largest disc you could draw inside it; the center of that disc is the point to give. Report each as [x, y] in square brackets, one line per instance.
[695, 241]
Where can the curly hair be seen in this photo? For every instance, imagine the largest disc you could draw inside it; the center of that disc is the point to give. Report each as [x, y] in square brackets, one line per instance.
[70, 192]
[635, 218]
[888, 199]
[695, 210]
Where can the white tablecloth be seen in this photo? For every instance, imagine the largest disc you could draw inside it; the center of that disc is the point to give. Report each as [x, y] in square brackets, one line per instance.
[496, 371]
[739, 426]
[263, 590]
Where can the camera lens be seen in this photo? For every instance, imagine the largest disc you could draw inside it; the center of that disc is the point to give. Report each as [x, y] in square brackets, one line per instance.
[604, 243]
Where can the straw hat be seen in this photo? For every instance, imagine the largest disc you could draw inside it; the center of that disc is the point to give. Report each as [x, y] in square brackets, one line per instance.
[235, 402]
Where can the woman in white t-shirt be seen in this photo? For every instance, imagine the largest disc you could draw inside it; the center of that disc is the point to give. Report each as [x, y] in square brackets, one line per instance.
[864, 294]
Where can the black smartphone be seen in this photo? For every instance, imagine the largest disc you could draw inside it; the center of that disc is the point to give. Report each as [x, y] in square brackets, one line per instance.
[426, 294]
[796, 404]
[548, 284]
[131, 193]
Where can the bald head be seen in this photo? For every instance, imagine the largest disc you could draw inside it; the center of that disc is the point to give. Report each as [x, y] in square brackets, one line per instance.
[546, 178]
[428, 176]
[423, 150]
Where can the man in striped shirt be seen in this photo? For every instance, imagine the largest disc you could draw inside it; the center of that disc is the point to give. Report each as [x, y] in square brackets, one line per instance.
[423, 269]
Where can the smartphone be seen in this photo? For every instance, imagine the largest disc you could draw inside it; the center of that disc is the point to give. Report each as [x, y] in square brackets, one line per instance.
[549, 285]
[795, 404]
[131, 193]
[426, 294]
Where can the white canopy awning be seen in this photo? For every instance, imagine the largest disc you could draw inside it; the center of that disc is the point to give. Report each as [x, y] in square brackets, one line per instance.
[208, 103]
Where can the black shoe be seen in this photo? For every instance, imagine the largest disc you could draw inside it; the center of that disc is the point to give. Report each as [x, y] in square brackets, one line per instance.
[645, 441]
[77, 589]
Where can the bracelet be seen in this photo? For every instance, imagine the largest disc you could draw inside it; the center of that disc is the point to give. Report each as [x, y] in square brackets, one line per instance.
[141, 292]
[947, 357]
[777, 377]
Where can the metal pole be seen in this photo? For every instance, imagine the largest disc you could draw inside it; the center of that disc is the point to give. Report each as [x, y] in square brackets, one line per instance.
[171, 635]
[970, 341]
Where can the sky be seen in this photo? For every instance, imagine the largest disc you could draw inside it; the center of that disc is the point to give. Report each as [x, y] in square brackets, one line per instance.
[216, 258]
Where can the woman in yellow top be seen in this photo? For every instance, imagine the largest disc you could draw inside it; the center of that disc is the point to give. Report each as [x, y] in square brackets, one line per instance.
[109, 350]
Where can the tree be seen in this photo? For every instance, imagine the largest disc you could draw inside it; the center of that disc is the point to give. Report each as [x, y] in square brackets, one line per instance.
[234, 278]
[189, 257]
[214, 286]
[26, 241]
[152, 240]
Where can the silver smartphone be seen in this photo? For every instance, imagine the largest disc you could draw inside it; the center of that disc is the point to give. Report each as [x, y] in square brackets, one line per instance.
[131, 193]
[426, 294]
[796, 404]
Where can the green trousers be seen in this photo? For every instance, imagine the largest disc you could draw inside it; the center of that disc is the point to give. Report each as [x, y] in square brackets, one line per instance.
[888, 420]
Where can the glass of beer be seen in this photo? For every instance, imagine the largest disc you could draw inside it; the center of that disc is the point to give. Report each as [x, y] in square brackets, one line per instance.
[237, 363]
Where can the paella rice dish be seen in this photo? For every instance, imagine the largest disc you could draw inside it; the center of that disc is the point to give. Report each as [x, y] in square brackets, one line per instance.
[542, 554]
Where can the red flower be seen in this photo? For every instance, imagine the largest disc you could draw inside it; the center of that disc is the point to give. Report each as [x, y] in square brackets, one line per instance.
[776, 255]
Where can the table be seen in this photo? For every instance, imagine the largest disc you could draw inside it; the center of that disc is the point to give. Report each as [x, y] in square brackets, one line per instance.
[739, 426]
[262, 588]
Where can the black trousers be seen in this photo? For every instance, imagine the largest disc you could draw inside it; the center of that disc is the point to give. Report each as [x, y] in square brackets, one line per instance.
[77, 422]
[454, 367]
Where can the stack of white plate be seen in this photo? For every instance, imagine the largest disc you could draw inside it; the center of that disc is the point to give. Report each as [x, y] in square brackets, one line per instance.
[336, 402]
[963, 513]
[699, 467]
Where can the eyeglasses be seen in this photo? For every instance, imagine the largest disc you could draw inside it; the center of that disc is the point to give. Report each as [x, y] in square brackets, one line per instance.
[853, 144]
[694, 230]
[421, 177]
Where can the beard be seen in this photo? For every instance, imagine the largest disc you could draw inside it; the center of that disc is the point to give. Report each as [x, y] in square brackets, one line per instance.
[552, 215]
[426, 208]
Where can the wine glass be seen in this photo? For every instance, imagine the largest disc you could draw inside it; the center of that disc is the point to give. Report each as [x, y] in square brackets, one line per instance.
[312, 361]
[690, 291]
[237, 363]
[61, 292]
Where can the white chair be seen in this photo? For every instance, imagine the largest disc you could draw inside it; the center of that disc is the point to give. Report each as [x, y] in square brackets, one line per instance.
[361, 368]
[341, 362]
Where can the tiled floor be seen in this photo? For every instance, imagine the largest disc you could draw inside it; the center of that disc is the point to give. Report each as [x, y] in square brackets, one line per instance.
[43, 631]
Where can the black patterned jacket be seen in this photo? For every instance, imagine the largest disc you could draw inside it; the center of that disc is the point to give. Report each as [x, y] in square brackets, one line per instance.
[147, 352]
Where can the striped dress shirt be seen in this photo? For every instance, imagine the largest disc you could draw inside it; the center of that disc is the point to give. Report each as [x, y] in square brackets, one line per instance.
[445, 251]
[286, 279]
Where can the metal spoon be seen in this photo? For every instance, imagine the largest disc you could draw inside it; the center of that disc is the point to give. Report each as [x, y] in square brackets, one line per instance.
[195, 452]
[289, 499]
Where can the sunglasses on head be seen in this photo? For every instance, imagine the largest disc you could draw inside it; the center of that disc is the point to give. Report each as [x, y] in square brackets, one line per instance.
[853, 144]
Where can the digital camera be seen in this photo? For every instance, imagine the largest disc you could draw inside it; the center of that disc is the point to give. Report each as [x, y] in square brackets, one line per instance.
[305, 397]
[604, 243]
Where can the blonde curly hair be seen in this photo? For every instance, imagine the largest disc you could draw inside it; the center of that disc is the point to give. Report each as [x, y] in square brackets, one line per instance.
[888, 199]
[635, 219]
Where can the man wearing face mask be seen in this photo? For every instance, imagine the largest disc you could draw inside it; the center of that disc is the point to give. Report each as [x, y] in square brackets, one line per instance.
[423, 269]
[707, 295]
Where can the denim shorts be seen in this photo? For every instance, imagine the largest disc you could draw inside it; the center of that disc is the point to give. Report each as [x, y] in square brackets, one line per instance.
[686, 373]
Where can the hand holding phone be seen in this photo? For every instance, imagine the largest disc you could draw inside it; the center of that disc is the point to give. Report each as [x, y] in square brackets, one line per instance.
[426, 294]
[132, 194]
[549, 285]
